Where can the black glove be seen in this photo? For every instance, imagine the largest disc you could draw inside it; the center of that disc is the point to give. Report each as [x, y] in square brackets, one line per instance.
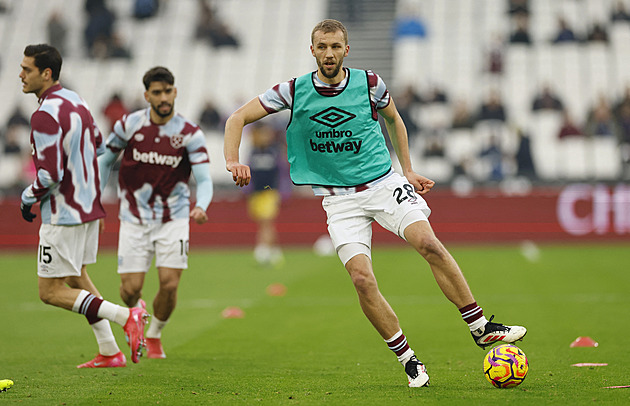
[26, 212]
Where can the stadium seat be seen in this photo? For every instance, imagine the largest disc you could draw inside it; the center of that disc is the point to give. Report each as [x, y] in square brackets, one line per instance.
[11, 170]
[460, 144]
[574, 159]
[606, 158]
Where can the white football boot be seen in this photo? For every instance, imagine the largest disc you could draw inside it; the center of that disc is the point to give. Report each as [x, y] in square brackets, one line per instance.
[495, 332]
[416, 373]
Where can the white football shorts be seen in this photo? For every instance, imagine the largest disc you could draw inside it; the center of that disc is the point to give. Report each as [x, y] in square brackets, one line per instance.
[63, 250]
[393, 203]
[139, 243]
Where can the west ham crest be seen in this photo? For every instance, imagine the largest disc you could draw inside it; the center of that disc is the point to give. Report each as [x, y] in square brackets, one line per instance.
[177, 141]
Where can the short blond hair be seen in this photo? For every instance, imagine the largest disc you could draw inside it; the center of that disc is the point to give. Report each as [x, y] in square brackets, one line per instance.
[330, 25]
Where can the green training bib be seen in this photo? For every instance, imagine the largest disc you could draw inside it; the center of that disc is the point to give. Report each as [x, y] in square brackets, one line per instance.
[335, 140]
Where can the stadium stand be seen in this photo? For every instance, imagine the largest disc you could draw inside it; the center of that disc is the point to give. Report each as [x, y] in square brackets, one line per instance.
[452, 55]
[274, 35]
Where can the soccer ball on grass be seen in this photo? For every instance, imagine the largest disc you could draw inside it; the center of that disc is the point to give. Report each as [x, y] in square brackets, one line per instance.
[505, 366]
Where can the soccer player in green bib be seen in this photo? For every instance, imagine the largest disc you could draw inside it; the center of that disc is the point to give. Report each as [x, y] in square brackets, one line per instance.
[335, 145]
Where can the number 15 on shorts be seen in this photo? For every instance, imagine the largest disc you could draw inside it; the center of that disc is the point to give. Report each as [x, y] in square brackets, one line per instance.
[43, 255]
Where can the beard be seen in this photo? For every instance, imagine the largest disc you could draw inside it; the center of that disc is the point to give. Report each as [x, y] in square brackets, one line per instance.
[334, 72]
[159, 113]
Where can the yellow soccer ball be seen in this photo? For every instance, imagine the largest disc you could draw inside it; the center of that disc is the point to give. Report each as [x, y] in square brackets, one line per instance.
[505, 366]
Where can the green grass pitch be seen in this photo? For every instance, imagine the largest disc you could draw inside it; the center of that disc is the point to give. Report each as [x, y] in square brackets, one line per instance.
[314, 346]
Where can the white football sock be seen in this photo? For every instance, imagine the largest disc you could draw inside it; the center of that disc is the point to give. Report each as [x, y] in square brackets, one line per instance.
[477, 324]
[113, 312]
[155, 328]
[105, 338]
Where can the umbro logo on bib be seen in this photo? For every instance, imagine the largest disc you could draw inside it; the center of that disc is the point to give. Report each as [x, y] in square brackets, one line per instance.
[332, 117]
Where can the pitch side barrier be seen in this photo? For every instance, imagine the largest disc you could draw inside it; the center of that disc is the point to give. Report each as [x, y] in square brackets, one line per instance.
[572, 213]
